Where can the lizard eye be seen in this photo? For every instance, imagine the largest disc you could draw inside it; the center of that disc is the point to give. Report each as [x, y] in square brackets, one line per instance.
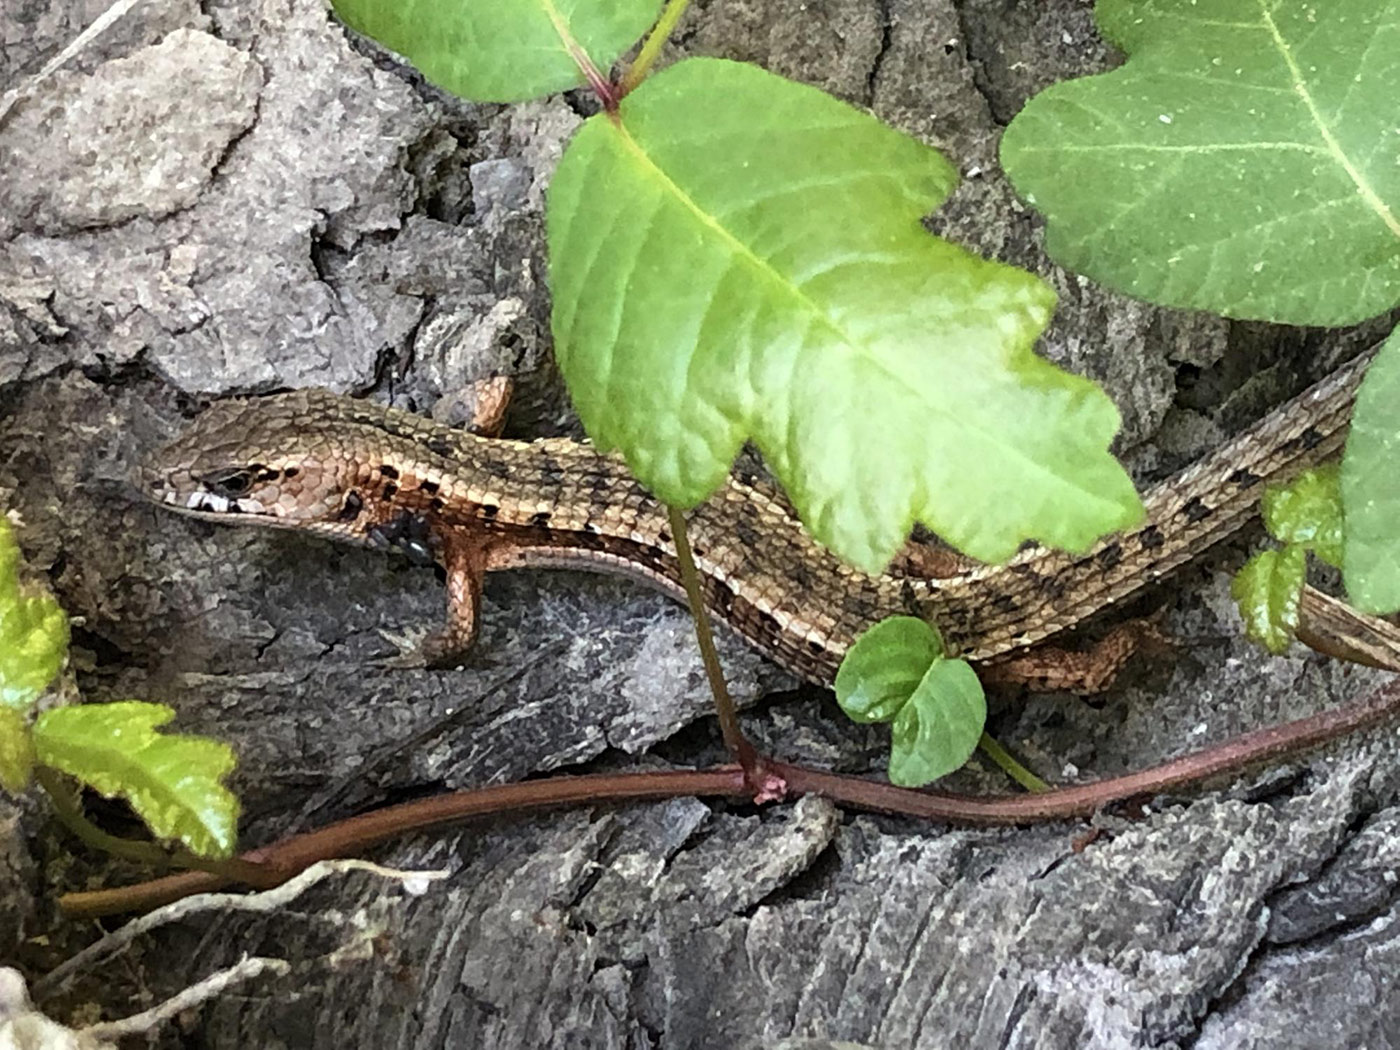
[228, 483]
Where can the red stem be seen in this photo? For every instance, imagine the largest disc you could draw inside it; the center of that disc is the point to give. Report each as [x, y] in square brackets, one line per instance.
[602, 86]
[356, 834]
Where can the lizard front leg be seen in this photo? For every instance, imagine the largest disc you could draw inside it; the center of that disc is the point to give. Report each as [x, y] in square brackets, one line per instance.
[464, 560]
[462, 557]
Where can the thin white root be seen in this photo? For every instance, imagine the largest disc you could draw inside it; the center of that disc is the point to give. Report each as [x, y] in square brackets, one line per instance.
[213, 985]
[414, 883]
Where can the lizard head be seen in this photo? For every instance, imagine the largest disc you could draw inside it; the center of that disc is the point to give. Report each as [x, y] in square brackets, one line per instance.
[264, 459]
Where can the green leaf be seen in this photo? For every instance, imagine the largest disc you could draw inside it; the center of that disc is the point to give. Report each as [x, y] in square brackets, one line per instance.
[938, 729]
[16, 751]
[1307, 511]
[883, 668]
[33, 632]
[896, 672]
[1244, 160]
[1371, 487]
[738, 256]
[1268, 589]
[172, 782]
[9, 558]
[502, 50]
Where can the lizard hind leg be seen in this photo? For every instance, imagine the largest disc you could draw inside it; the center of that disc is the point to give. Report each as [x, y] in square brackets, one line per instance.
[1086, 672]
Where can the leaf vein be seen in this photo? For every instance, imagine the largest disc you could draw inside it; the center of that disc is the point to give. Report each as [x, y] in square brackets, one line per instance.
[1363, 186]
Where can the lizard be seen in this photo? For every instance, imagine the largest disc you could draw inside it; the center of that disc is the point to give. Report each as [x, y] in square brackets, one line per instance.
[355, 471]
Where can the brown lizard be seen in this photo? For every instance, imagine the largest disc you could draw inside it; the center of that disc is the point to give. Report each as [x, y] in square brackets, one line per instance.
[355, 471]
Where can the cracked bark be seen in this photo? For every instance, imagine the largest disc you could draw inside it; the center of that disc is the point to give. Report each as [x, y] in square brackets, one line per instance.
[677, 924]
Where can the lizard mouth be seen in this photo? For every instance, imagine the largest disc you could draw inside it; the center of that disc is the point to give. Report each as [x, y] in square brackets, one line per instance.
[197, 500]
[204, 502]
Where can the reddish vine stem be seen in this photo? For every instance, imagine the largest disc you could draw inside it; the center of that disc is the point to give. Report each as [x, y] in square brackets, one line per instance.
[357, 834]
[600, 84]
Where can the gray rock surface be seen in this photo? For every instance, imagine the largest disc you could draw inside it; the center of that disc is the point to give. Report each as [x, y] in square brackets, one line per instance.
[18, 881]
[311, 213]
[90, 150]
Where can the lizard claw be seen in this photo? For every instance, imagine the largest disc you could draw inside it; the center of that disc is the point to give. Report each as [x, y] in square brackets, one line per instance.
[418, 649]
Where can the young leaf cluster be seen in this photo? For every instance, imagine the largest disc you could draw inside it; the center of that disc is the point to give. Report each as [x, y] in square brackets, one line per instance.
[897, 672]
[172, 782]
[1305, 515]
[33, 630]
[33, 646]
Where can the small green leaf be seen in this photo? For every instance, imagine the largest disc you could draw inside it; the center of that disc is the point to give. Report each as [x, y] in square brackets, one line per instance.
[1268, 589]
[502, 50]
[33, 633]
[1244, 160]
[883, 668]
[896, 672]
[1307, 511]
[938, 729]
[1371, 487]
[16, 751]
[738, 256]
[172, 782]
[9, 557]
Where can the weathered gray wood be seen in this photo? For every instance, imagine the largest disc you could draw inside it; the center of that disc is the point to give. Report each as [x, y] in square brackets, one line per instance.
[333, 213]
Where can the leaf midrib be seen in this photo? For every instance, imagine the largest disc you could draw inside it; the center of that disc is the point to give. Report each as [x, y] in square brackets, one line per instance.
[1363, 187]
[763, 266]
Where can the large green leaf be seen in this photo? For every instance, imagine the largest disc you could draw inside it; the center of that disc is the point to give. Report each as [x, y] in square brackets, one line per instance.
[1268, 589]
[33, 632]
[1371, 487]
[502, 50]
[738, 256]
[172, 782]
[1245, 159]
